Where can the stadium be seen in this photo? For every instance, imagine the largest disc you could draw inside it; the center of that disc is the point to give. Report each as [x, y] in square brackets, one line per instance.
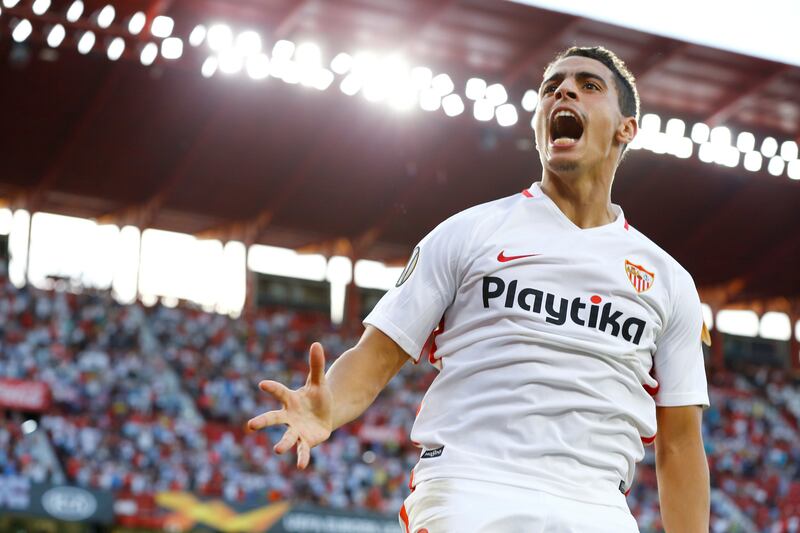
[194, 192]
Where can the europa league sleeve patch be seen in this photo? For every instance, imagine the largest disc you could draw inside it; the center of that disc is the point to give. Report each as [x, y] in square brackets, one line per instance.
[410, 266]
[705, 336]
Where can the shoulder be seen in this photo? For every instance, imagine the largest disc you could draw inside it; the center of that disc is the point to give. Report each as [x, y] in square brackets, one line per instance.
[482, 218]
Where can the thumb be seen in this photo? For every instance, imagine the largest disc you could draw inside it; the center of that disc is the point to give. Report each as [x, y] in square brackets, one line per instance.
[316, 361]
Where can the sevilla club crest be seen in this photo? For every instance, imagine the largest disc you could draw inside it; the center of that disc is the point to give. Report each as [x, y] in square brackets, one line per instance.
[640, 278]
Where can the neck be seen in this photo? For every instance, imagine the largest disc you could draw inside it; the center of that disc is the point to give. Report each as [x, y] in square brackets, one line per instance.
[584, 199]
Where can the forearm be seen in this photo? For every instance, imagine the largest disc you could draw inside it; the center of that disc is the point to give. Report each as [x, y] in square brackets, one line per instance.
[357, 377]
[683, 487]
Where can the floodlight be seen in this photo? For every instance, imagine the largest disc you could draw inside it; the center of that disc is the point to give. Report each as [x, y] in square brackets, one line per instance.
[429, 100]
[323, 79]
[700, 133]
[137, 22]
[745, 142]
[675, 127]
[106, 16]
[752, 161]
[684, 148]
[22, 30]
[257, 66]
[342, 63]
[651, 122]
[209, 66]
[149, 54]
[496, 94]
[483, 110]
[56, 36]
[794, 169]
[172, 48]
[219, 37]
[86, 42]
[507, 115]
[230, 62]
[421, 77]
[452, 105]
[769, 147]
[248, 43]
[283, 49]
[10, 3]
[789, 150]
[442, 84]
[776, 165]
[706, 152]
[116, 48]
[308, 54]
[162, 26]
[40, 7]
[198, 35]
[720, 135]
[530, 100]
[350, 85]
[75, 11]
[475, 88]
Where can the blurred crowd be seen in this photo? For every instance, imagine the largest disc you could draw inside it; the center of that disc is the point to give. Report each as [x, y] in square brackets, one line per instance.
[153, 399]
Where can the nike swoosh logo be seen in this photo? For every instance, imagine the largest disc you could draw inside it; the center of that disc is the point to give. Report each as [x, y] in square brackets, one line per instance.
[504, 259]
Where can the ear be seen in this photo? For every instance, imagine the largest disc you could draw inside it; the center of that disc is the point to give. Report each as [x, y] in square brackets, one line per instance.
[627, 130]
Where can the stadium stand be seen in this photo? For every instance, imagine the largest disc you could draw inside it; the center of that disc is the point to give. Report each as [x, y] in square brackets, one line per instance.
[153, 399]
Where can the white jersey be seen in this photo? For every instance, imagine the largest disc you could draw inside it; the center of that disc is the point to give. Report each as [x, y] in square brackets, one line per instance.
[554, 345]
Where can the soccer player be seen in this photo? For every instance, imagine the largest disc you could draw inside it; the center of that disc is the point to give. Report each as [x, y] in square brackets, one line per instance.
[564, 339]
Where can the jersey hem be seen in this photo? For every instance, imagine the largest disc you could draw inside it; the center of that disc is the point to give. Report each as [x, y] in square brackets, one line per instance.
[391, 330]
[682, 399]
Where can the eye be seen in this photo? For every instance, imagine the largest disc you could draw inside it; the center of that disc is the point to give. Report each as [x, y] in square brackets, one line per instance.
[549, 88]
[591, 85]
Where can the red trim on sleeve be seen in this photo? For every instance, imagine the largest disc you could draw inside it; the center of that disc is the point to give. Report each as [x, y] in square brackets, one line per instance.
[648, 440]
[652, 391]
[404, 518]
[411, 481]
[438, 331]
[526, 193]
[627, 226]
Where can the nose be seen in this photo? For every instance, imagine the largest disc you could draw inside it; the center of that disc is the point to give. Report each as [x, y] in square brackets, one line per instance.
[566, 90]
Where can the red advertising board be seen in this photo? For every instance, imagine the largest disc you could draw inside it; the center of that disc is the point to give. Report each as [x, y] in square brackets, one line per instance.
[24, 395]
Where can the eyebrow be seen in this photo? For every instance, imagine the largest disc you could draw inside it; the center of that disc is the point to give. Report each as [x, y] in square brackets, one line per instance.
[582, 75]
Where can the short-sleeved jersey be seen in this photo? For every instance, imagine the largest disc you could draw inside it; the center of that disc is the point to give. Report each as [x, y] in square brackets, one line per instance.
[554, 344]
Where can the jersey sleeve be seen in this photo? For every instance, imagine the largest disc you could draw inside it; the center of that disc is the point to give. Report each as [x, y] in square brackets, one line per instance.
[411, 310]
[679, 363]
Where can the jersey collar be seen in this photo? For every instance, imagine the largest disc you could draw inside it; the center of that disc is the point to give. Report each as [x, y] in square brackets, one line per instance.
[535, 191]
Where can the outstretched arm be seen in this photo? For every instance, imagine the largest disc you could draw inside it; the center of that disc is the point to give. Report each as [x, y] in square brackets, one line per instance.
[327, 402]
[682, 470]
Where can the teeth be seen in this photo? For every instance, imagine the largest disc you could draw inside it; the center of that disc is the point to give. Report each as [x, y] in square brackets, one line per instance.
[565, 113]
[565, 140]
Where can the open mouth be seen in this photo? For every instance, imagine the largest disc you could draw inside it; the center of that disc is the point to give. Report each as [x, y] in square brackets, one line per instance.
[565, 128]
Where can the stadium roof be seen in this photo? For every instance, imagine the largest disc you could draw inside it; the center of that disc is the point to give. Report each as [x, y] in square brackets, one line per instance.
[288, 165]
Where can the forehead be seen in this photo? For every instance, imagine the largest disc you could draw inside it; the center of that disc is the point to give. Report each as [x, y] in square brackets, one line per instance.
[575, 64]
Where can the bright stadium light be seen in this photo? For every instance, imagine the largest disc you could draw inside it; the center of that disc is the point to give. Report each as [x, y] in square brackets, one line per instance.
[283, 50]
[116, 48]
[442, 84]
[421, 77]
[530, 100]
[40, 7]
[745, 142]
[10, 3]
[209, 67]
[789, 150]
[769, 147]
[700, 133]
[230, 62]
[738, 322]
[729, 156]
[753, 161]
[248, 43]
[86, 42]
[452, 105]
[149, 54]
[75, 11]
[172, 48]
[56, 36]
[721, 135]
[775, 166]
[651, 122]
[219, 37]
[342, 63]
[257, 66]
[137, 22]
[22, 30]
[162, 26]
[483, 110]
[496, 94]
[794, 169]
[475, 88]
[775, 326]
[429, 100]
[197, 36]
[675, 127]
[684, 148]
[507, 115]
[308, 54]
[106, 16]
[323, 79]
[350, 85]
[659, 142]
[706, 153]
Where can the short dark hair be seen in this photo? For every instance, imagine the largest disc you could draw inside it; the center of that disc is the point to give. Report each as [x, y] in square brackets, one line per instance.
[625, 82]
